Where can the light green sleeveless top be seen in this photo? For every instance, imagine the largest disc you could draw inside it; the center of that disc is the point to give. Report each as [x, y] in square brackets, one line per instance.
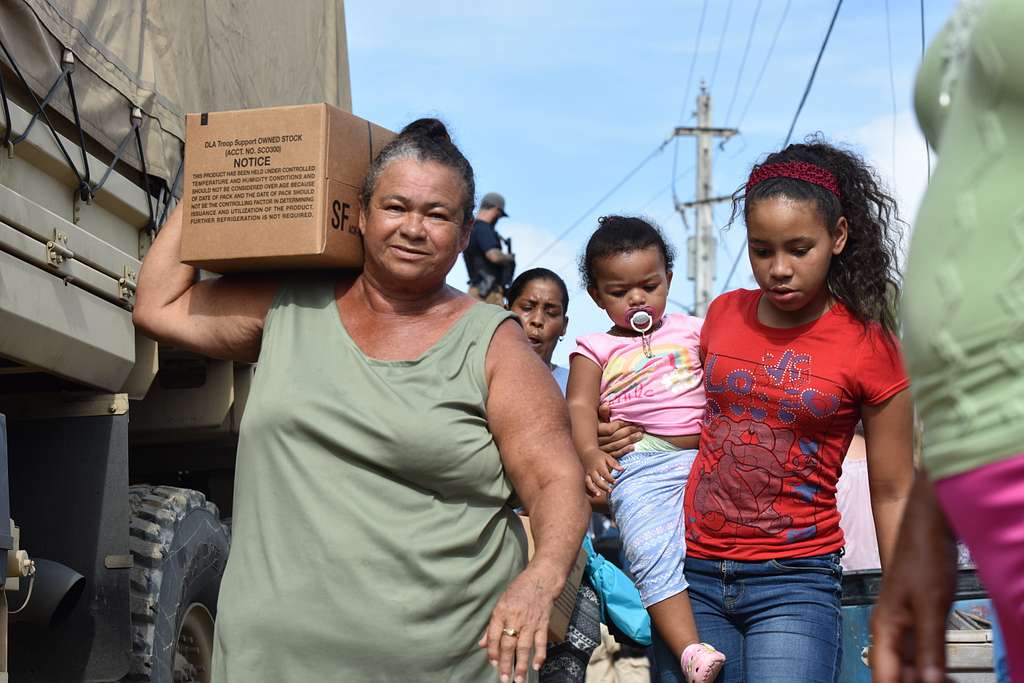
[963, 311]
[372, 535]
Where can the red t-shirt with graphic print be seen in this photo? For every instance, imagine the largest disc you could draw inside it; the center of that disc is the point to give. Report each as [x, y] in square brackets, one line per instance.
[782, 405]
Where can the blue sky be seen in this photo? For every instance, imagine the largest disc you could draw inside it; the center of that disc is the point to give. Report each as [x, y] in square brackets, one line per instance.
[554, 102]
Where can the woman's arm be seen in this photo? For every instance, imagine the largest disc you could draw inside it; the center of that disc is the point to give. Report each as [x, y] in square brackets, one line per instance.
[528, 419]
[583, 395]
[220, 317]
[908, 626]
[888, 436]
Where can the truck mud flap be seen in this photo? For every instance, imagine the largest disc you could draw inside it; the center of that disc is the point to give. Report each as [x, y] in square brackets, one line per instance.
[69, 496]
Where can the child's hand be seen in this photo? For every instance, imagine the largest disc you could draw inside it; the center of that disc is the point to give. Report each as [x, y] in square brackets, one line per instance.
[598, 467]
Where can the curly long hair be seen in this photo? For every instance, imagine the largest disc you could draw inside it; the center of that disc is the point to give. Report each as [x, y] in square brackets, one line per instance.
[864, 275]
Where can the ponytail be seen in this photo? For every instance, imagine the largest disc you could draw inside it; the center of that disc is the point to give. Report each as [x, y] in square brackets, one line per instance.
[424, 140]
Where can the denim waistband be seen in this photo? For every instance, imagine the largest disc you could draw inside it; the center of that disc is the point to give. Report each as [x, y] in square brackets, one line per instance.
[777, 562]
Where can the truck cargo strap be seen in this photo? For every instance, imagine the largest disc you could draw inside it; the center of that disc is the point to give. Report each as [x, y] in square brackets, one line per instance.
[86, 189]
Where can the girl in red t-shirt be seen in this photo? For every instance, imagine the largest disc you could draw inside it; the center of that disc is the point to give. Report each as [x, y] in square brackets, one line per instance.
[789, 370]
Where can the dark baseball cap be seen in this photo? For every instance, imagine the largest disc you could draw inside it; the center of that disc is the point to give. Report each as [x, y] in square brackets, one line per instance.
[494, 199]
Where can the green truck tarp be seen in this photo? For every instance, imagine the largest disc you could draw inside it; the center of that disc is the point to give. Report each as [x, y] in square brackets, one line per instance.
[172, 57]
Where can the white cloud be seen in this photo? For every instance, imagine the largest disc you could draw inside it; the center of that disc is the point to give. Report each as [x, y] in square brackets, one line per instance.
[903, 167]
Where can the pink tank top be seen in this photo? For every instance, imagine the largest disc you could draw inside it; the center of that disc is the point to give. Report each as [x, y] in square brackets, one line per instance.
[665, 393]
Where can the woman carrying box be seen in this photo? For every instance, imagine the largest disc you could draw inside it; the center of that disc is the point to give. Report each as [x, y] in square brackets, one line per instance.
[390, 417]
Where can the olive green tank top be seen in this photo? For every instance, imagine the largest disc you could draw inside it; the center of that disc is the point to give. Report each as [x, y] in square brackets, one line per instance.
[963, 311]
[372, 534]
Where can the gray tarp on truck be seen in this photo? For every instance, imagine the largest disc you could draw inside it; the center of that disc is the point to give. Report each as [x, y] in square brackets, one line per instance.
[169, 58]
[70, 256]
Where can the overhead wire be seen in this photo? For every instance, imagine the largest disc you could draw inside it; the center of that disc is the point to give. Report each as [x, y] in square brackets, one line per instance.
[586, 214]
[892, 87]
[814, 72]
[743, 60]
[721, 44]
[693, 60]
[660, 193]
[649, 157]
[686, 96]
[764, 66]
[796, 117]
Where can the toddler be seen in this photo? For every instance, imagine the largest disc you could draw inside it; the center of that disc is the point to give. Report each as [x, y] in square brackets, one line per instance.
[646, 370]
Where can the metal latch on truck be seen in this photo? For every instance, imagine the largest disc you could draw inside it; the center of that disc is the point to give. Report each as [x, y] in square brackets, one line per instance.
[127, 284]
[57, 249]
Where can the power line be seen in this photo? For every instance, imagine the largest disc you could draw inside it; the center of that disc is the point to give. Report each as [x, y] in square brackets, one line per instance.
[796, 116]
[686, 96]
[721, 43]
[693, 60]
[814, 72]
[743, 61]
[732, 270]
[892, 87]
[666, 188]
[764, 66]
[636, 169]
[675, 161]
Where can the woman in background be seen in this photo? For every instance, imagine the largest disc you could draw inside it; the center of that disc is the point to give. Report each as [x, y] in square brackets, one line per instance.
[540, 300]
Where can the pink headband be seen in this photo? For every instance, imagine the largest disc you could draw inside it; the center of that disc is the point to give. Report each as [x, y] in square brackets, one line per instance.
[798, 170]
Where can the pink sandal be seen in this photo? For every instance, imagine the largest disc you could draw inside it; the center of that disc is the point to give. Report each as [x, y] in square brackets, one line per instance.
[701, 663]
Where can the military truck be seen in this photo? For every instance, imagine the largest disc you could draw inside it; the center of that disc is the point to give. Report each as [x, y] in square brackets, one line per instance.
[116, 454]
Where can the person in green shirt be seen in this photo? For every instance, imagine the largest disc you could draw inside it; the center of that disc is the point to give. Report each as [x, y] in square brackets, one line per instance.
[389, 421]
[963, 321]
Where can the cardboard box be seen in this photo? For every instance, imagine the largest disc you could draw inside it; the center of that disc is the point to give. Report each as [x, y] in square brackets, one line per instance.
[275, 188]
[561, 611]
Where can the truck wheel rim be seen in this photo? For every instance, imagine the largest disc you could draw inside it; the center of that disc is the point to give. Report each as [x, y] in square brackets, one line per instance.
[195, 646]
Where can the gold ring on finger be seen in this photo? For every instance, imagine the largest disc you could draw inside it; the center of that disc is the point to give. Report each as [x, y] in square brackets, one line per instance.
[510, 632]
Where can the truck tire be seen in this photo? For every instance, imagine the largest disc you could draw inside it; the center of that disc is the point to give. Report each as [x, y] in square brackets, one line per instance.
[179, 547]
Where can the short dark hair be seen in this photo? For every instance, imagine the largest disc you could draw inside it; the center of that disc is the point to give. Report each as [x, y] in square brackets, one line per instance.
[621, 235]
[423, 140]
[528, 276]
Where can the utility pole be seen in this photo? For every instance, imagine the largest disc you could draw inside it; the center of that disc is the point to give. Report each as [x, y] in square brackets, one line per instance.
[701, 247]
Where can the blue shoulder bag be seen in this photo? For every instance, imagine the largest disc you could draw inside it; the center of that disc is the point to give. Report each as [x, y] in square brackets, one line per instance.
[620, 600]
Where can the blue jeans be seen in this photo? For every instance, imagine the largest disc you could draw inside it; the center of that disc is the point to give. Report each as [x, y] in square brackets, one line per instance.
[777, 621]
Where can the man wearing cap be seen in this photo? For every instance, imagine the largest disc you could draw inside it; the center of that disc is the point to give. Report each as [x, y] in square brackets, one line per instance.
[486, 263]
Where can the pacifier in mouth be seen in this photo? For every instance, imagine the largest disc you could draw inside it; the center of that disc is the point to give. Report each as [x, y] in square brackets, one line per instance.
[641, 319]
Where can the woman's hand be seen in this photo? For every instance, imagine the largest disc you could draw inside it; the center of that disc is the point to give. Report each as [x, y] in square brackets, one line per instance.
[524, 609]
[908, 626]
[527, 416]
[598, 466]
[616, 438]
[599, 503]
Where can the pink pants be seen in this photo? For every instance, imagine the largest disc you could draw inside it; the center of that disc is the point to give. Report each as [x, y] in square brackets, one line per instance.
[986, 510]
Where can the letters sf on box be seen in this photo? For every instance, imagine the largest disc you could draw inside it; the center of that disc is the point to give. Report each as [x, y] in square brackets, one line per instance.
[276, 188]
